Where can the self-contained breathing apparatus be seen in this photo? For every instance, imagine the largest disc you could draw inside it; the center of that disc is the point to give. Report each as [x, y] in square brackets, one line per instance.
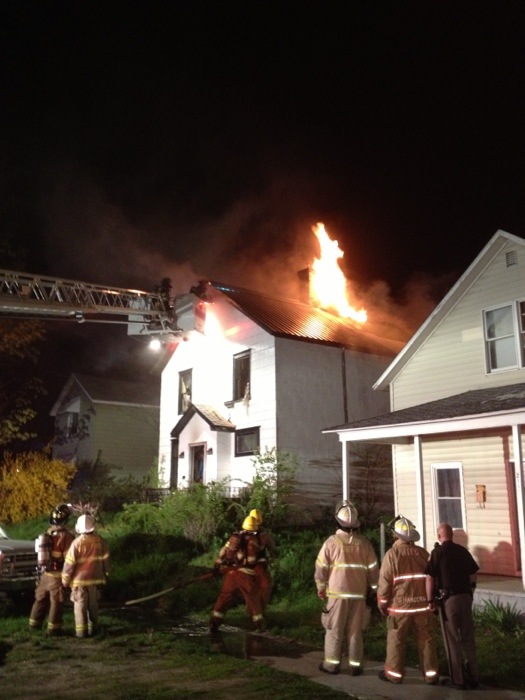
[44, 542]
[234, 553]
[43, 546]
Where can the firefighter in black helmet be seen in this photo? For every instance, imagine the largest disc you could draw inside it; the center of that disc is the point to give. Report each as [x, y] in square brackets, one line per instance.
[52, 547]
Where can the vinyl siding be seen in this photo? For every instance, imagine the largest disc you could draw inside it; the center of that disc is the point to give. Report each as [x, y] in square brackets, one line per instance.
[310, 397]
[487, 530]
[125, 437]
[211, 359]
[452, 360]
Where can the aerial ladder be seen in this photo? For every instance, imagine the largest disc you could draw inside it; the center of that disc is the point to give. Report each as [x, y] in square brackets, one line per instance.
[29, 296]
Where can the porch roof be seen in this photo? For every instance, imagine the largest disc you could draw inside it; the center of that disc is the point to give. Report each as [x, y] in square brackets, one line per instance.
[477, 409]
[209, 414]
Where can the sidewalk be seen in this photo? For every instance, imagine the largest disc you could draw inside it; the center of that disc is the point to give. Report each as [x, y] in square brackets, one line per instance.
[368, 686]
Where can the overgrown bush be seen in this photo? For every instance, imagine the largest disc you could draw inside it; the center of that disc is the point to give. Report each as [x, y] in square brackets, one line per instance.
[293, 567]
[95, 482]
[273, 485]
[31, 484]
[199, 514]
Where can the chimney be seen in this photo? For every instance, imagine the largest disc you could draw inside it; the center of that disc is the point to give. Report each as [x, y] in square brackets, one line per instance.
[304, 286]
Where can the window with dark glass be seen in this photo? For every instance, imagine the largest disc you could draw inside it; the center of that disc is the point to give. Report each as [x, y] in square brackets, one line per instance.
[247, 441]
[448, 495]
[72, 423]
[184, 390]
[241, 375]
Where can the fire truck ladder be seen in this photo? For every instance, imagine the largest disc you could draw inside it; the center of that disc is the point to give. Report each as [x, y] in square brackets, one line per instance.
[33, 296]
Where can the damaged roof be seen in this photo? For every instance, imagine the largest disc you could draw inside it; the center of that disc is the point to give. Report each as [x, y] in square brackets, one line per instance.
[289, 318]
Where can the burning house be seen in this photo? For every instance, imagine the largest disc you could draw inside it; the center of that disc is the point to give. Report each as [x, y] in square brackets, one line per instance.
[255, 372]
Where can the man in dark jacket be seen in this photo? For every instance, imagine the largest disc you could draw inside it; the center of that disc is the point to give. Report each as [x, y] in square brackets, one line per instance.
[451, 578]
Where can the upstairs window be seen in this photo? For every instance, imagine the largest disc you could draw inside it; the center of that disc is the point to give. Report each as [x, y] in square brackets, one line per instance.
[504, 329]
[184, 390]
[241, 375]
[67, 425]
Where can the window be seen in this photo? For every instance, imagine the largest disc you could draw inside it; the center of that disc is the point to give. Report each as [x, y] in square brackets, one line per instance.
[67, 424]
[504, 329]
[448, 494]
[246, 441]
[72, 426]
[241, 375]
[184, 390]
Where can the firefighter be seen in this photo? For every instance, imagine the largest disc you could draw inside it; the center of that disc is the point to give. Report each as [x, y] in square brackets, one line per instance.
[267, 550]
[85, 569]
[402, 599]
[345, 570]
[52, 548]
[236, 561]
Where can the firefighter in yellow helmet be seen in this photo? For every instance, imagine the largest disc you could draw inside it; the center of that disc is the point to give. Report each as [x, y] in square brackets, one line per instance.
[236, 561]
[52, 547]
[402, 598]
[345, 569]
[267, 551]
[85, 569]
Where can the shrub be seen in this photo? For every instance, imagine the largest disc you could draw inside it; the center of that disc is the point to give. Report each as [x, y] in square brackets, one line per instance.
[198, 514]
[32, 483]
[293, 568]
[94, 482]
[272, 487]
[504, 619]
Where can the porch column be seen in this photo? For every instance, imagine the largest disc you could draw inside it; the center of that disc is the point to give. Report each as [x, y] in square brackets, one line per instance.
[420, 492]
[520, 494]
[345, 470]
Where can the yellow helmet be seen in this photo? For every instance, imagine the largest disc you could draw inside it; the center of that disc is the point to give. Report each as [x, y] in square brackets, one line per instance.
[257, 515]
[250, 523]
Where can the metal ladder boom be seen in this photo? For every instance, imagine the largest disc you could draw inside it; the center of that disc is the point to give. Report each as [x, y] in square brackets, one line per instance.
[36, 296]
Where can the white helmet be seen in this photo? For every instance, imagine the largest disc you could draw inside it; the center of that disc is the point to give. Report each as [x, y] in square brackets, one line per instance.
[405, 529]
[85, 524]
[346, 515]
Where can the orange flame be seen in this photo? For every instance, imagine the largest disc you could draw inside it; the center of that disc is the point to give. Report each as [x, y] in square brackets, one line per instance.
[328, 284]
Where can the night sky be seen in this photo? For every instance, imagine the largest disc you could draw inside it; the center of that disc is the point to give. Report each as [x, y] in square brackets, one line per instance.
[143, 140]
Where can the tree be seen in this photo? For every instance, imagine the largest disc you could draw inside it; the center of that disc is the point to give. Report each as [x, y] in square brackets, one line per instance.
[19, 354]
[19, 388]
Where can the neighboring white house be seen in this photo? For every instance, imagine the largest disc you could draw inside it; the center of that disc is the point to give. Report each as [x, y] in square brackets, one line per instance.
[263, 373]
[111, 420]
[457, 393]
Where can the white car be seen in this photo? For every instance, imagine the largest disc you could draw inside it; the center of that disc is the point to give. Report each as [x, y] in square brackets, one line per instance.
[18, 564]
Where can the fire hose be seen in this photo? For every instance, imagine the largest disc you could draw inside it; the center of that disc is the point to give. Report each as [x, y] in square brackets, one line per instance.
[204, 577]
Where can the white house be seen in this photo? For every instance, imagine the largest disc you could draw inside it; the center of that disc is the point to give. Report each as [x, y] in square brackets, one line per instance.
[111, 420]
[255, 372]
[457, 400]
